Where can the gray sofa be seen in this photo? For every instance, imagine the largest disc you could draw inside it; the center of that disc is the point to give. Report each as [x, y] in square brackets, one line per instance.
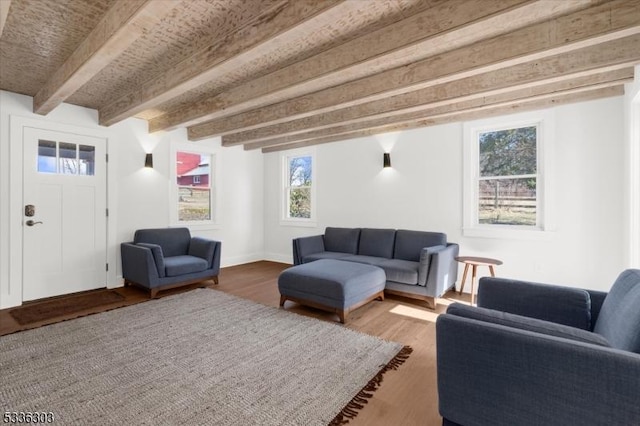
[534, 354]
[417, 264]
[158, 259]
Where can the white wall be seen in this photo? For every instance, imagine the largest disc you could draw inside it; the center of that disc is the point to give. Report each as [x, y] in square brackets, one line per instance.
[423, 191]
[632, 170]
[138, 197]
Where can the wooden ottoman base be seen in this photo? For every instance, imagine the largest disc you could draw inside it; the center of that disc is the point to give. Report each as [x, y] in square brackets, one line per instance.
[342, 313]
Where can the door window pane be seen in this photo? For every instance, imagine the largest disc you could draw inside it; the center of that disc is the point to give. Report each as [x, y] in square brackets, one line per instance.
[68, 158]
[87, 160]
[47, 156]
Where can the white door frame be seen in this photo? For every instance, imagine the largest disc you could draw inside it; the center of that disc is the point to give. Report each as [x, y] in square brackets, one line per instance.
[12, 296]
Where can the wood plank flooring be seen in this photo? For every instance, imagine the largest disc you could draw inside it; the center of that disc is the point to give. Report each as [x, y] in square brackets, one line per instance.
[407, 397]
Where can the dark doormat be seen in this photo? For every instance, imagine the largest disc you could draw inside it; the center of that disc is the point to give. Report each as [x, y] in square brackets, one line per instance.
[42, 311]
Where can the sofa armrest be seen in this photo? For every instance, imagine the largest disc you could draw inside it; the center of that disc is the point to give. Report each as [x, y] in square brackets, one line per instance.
[442, 270]
[597, 299]
[490, 374]
[305, 246]
[138, 264]
[562, 305]
[206, 249]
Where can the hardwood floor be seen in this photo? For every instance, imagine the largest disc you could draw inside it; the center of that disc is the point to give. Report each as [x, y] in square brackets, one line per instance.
[408, 396]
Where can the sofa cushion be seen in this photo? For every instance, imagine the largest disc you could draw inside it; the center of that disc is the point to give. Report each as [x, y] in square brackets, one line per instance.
[368, 260]
[619, 318]
[158, 257]
[401, 271]
[525, 323]
[377, 242]
[324, 255]
[174, 241]
[343, 240]
[181, 265]
[410, 243]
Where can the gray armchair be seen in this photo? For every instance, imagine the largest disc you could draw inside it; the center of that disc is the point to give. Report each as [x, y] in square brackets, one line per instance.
[535, 354]
[158, 259]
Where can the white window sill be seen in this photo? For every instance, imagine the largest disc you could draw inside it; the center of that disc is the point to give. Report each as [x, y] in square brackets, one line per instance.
[299, 223]
[197, 226]
[508, 233]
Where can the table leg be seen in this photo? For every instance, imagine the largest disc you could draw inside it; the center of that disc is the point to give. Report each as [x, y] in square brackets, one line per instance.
[493, 273]
[473, 281]
[464, 277]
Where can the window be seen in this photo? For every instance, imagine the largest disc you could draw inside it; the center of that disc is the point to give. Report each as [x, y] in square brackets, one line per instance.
[66, 158]
[298, 188]
[506, 167]
[194, 186]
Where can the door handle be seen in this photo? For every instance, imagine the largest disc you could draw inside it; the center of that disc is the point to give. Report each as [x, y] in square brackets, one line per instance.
[31, 222]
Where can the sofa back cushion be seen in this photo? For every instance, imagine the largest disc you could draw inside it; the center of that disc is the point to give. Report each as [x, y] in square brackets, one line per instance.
[377, 242]
[174, 241]
[619, 318]
[343, 240]
[410, 243]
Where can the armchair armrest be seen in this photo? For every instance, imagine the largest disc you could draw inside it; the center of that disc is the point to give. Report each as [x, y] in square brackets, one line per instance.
[562, 305]
[138, 264]
[206, 249]
[490, 374]
[305, 246]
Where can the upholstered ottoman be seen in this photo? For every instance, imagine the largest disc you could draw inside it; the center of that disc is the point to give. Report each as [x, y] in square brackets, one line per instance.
[332, 285]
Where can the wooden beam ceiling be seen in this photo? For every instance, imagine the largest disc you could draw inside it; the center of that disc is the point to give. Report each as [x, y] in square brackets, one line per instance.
[222, 56]
[278, 74]
[4, 11]
[123, 23]
[563, 36]
[444, 26]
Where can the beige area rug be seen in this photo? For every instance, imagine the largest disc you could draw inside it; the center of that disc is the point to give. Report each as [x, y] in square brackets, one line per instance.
[202, 357]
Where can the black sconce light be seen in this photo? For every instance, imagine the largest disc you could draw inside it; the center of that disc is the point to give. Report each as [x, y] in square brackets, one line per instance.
[148, 161]
[386, 160]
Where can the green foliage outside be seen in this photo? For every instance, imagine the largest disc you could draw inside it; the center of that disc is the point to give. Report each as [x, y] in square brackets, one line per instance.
[504, 200]
[300, 187]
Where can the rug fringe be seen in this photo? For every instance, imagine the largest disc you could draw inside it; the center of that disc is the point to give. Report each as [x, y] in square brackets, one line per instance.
[354, 406]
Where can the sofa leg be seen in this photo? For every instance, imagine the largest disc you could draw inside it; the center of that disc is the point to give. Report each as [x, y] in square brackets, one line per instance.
[153, 292]
[282, 300]
[342, 314]
[431, 302]
[215, 280]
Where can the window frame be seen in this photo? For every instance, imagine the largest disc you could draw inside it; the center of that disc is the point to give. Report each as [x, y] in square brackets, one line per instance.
[544, 121]
[214, 187]
[285, 188]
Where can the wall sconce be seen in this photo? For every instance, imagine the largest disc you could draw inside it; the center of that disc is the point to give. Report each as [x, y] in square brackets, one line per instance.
[386, 160]
[148, 161]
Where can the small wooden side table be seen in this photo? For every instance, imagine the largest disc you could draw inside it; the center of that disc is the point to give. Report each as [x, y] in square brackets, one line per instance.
[474, 262]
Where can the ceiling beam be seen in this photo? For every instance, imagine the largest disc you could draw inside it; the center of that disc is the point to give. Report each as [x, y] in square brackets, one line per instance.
[225, 55]
[444, 26]
[566, 87]
[120, 27]
[609, 56]
[589, 27]
[559, 99]
[4, 12]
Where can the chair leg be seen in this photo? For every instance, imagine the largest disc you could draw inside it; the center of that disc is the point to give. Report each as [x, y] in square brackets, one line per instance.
[282, 300]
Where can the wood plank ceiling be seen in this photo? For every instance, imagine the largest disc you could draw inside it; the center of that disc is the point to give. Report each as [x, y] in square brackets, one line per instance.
[279, 74]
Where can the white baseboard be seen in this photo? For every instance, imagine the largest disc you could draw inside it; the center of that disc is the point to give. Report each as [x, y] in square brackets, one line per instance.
[239, 260]
[278, 257]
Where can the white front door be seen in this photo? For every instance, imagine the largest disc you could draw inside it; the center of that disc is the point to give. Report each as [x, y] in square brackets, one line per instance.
[64, 213]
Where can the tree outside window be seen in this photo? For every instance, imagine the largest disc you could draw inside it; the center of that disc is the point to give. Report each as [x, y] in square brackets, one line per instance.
[298, 187]
[507, 182]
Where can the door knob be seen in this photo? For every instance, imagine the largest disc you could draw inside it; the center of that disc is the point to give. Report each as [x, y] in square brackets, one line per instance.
[31, 222]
